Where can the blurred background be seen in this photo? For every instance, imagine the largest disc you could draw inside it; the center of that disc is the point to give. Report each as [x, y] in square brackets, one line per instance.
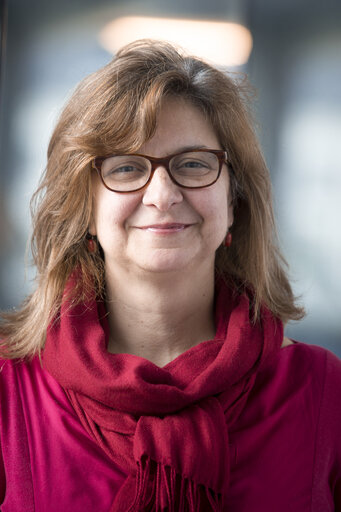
[292, 55]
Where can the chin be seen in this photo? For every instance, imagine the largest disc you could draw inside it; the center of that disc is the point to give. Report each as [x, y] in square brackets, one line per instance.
[167, 261]
[164, 261]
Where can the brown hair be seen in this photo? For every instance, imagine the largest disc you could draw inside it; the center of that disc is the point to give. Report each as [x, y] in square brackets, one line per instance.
[113, 110]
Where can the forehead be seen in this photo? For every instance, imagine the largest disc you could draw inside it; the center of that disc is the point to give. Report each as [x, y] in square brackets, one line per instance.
[180, 125]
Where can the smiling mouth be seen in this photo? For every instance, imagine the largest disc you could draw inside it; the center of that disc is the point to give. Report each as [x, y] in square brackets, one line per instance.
[173, 227]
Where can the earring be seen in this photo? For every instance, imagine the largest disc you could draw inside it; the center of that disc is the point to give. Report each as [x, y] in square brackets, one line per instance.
[91, 242]
[228, 240]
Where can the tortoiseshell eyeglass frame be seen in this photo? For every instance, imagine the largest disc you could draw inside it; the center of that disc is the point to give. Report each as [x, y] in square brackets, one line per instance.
[156, 162]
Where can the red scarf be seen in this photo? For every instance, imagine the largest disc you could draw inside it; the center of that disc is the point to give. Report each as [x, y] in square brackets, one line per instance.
[166, 427]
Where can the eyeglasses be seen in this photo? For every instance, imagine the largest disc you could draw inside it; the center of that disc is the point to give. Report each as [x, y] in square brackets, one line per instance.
[198, 168]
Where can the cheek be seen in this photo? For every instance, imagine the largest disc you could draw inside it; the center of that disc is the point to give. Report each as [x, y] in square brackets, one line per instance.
[111, 210]
[217, 208]
[213, 209]
[221, 219]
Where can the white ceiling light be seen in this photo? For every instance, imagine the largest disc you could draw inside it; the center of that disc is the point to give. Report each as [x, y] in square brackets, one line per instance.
[226, 44]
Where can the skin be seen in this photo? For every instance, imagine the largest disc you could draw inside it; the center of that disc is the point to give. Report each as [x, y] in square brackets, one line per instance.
[159, 245]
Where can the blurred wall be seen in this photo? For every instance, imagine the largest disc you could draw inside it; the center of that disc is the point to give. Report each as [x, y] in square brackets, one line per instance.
[295, 66]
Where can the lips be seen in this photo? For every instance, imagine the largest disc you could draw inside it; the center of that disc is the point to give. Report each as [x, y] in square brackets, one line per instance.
[168, 227]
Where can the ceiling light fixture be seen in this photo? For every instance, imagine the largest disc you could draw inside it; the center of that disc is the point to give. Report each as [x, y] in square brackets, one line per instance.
[224, 43]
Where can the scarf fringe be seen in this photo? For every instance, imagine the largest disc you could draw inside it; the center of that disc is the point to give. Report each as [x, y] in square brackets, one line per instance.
[160, 489]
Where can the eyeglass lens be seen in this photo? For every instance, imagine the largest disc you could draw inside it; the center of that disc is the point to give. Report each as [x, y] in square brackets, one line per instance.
[131, 172]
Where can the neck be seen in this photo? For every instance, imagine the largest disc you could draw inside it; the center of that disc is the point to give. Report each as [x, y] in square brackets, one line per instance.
[160, 318]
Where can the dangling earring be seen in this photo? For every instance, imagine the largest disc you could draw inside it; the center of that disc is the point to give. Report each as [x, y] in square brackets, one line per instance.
[228, 240]
[91, 242]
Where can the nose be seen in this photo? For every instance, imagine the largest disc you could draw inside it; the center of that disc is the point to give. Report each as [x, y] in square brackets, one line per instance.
[161, 191]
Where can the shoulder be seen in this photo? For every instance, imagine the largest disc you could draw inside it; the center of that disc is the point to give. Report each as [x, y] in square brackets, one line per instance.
[297, 353]
[11, 369]
[316, 372]
[323, 361]
[303, 374]
[23, 381]
[7, 373]
[327, 368]
[17, 377]
[304, 382]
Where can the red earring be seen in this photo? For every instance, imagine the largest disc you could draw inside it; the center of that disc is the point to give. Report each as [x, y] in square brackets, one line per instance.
[91, 241]
[228, 240]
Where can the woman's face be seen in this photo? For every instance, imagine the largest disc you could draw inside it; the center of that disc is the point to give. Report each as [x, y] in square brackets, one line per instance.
[165, 228]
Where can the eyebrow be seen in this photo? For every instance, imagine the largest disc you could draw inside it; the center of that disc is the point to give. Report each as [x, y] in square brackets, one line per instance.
[183, 149]
[188, 148]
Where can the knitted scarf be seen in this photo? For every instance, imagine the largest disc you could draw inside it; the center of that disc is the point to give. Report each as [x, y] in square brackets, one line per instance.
[167, 428]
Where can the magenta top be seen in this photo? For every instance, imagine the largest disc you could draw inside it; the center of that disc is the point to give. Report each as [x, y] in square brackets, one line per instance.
[285, 446]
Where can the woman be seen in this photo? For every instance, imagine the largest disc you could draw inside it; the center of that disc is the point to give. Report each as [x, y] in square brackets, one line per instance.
[165, 382]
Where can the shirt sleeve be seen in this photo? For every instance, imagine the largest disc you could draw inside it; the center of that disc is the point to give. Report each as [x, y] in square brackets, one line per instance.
[328, 443]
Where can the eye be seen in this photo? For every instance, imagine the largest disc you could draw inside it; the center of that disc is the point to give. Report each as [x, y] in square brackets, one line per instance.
[191, 167]
[193, 164]
[124, 169]
[121, 168]
[125, 173]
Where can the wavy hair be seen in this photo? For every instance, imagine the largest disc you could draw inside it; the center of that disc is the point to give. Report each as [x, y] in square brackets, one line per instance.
[115, 110]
